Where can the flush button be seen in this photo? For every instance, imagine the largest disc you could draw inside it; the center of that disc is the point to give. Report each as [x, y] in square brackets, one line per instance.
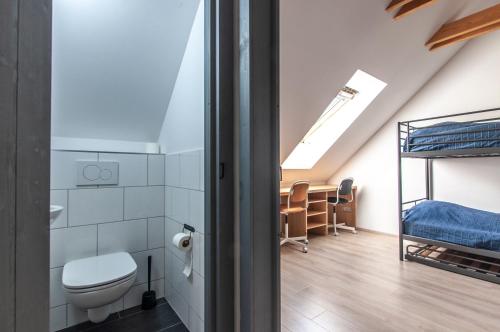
[91, 173]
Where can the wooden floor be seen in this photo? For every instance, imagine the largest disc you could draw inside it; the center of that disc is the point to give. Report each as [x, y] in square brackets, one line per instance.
[357, 283]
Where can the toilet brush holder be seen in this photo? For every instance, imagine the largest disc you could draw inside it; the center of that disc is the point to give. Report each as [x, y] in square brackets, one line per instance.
[149, 297]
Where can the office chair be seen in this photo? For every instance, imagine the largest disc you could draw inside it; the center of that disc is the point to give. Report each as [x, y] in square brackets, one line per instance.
[297, 203]
[344, 189]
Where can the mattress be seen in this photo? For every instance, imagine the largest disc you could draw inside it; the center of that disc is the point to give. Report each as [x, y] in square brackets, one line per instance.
[455, 136]
[453, 223]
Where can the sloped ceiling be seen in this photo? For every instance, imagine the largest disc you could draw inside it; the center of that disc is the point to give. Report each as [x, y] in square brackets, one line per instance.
[115, 63]
[323, 42]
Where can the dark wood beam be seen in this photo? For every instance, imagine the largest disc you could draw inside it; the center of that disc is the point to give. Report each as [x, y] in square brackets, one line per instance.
[412, 7]
[466, 25]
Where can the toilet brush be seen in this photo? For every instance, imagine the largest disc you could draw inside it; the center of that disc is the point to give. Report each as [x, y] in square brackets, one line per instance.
[149, 297]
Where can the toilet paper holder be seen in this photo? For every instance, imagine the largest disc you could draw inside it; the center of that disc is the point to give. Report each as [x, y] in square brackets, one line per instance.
[189, 228]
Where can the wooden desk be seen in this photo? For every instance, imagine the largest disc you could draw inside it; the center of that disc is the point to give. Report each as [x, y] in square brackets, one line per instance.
[319, 213]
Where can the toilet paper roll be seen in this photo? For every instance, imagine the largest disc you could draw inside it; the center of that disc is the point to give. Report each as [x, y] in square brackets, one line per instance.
[184, 242]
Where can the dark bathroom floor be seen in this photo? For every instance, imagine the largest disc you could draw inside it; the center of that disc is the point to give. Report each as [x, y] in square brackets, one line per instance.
[160, 319]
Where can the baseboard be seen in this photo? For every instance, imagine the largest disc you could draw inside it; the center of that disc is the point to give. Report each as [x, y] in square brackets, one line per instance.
[375, 232]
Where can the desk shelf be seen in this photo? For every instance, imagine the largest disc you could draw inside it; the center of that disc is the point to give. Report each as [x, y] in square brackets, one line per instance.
[314, 224]
[311, 213]
[314, 201]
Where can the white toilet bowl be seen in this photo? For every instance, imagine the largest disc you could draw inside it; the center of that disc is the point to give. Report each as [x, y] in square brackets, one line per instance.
[94, 283]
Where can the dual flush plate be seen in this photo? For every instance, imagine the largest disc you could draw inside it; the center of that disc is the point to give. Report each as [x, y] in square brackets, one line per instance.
[91, 173]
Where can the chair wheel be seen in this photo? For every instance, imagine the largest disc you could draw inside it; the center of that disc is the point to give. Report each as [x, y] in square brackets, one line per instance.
[336, 234]
[306, 241]
[305, 250]
[354, 231]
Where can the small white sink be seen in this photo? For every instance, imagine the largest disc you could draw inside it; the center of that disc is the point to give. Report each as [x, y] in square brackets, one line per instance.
[55, 211]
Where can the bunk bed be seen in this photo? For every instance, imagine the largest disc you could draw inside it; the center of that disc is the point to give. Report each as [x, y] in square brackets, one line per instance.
[442, 234]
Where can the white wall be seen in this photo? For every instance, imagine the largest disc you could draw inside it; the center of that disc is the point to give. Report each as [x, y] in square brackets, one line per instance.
[182, 139]
[104, 219]
[114, 65]
[470, 81]
[183, 125]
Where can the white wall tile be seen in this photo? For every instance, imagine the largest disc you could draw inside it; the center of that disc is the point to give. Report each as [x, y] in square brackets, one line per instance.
[197, 210]
[76, 315]
[172, 170]
[180, 205]
[156, 169]
[56, 291]
[134, 296]
[172, 227]
[195, 322]
[196, 293]
[169, 201]
[60, 197]
[156, 232]
[144, 202]
[198, 252]
[92, 206]
[157, 265]
[63, 168]
[118, 305]
[128, 236]
[179, 304]
[133, 168]
[190, 169]
[67, 244]
[202, 255]
[57, 318]
[202, 171]
[169, 266]
[175, 276]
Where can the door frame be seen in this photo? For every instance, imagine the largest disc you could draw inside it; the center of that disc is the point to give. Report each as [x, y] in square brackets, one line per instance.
[243, 279]
[25, 76]
[259, 165]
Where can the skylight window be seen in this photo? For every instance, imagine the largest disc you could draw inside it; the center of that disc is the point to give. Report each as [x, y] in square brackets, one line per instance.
[347, 105]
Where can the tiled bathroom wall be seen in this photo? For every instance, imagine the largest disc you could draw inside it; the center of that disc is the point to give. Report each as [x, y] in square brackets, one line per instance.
[184, 204]
[97, 220]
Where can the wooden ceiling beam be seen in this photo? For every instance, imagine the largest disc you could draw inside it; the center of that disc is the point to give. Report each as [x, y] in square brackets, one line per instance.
[411, 7]
[396, 4]
[466, 25]
[469, 35]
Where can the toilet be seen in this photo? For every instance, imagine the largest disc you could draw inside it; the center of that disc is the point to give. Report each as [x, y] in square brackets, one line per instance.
[94, 283]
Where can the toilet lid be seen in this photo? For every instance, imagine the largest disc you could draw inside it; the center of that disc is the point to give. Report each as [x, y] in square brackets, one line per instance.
[98, 270]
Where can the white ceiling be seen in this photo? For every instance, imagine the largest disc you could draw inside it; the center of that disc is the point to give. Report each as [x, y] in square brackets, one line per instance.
[323, 42]
[115, 63]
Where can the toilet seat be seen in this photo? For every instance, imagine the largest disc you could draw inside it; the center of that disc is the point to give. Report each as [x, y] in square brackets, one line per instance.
[98, 272]
[100, 287]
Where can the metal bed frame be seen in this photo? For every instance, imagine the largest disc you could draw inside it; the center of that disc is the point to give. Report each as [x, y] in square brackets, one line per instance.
[427, 251]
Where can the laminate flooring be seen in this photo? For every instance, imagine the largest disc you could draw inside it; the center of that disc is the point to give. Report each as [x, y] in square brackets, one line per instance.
[355, 282]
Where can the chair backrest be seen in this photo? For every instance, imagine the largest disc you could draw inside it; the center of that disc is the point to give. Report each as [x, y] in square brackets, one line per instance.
[345, 187]
[298, 194]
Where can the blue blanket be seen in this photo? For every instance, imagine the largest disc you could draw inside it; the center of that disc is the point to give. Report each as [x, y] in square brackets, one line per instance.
[448, 222]
[446, 132]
